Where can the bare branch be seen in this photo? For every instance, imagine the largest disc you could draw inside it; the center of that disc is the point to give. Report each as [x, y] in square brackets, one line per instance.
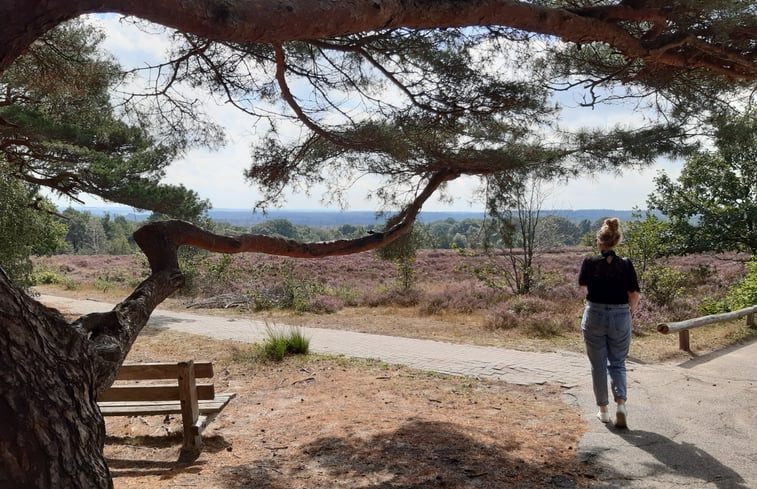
[381, 68]
[290, 100]
[160, 240]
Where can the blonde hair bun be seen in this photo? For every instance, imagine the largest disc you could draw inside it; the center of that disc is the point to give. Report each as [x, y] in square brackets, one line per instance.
[613, 224]
[609, 234]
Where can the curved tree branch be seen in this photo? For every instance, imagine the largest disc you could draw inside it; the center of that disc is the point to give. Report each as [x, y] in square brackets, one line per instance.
[111, 334]
[160, 240]
[277, 21]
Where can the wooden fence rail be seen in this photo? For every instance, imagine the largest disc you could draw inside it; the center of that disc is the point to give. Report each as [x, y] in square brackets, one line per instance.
[683, 327]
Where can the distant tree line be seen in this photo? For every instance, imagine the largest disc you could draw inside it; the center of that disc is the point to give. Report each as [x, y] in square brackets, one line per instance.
[445, 234]
[85, 233]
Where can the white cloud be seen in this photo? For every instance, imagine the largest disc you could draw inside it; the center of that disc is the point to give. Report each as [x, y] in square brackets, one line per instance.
[611, 191]
[133, 47]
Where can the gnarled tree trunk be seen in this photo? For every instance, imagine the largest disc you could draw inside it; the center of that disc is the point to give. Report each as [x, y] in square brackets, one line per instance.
[51, 371]
[51, 434]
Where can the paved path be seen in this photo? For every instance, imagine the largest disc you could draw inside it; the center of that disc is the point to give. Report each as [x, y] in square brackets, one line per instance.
[692, 425]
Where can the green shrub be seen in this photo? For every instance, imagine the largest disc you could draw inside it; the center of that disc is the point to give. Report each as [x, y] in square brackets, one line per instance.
[70, 284]
[191, 264]
[547, 281]
[117, 277]
[741, 294]
[744, 292]
[348, 295]
[298, 293]
[290, 292]
[645, 239]
[50, 277]
[277, 345]
[403, 252]
[526, 305]
[260, 300]
[712, 306]
[275, 348]
[102, 285]
[221, 271]
[47, 277]
[407, 276]
[662, 285]
[297, 342]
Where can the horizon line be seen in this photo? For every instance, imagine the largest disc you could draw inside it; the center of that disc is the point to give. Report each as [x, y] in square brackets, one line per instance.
[236, 209]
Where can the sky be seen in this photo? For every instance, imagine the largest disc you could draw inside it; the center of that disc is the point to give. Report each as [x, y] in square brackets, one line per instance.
[217, 175]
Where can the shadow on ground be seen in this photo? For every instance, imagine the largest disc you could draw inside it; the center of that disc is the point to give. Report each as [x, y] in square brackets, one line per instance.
[680, 460]
[420, 454]
[185, 462]
[708, 357]
[160, 320]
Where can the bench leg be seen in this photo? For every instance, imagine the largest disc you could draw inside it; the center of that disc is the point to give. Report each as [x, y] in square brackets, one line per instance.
[189, 407]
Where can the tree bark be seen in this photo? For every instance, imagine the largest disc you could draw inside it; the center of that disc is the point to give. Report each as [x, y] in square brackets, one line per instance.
[51, 434]
[51, 373]
[277, 20]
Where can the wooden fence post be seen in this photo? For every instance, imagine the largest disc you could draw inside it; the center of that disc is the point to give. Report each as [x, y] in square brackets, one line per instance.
[684, 340]
[750, 321]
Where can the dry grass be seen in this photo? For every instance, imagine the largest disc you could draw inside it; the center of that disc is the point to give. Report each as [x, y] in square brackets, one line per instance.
[314, 422]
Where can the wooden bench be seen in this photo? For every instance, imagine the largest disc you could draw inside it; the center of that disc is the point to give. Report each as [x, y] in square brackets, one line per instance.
[197, 403]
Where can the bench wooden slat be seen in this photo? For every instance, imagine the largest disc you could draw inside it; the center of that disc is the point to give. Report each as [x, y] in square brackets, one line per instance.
[152, 392]
[144, 371]
[147, 408]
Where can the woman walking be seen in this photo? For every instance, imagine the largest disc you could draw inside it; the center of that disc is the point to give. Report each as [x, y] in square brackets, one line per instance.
[611, 299]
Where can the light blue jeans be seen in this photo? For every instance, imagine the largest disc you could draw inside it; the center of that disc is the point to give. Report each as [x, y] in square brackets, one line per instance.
[606, 329]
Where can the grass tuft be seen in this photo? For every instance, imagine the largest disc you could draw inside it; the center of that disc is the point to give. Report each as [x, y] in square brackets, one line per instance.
[280, 343]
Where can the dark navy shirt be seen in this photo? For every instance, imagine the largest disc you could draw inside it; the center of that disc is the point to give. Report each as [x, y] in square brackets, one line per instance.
[608, 283]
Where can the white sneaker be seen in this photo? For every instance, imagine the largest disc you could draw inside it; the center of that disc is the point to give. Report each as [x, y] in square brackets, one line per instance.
[620, 416]
[604, 416]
